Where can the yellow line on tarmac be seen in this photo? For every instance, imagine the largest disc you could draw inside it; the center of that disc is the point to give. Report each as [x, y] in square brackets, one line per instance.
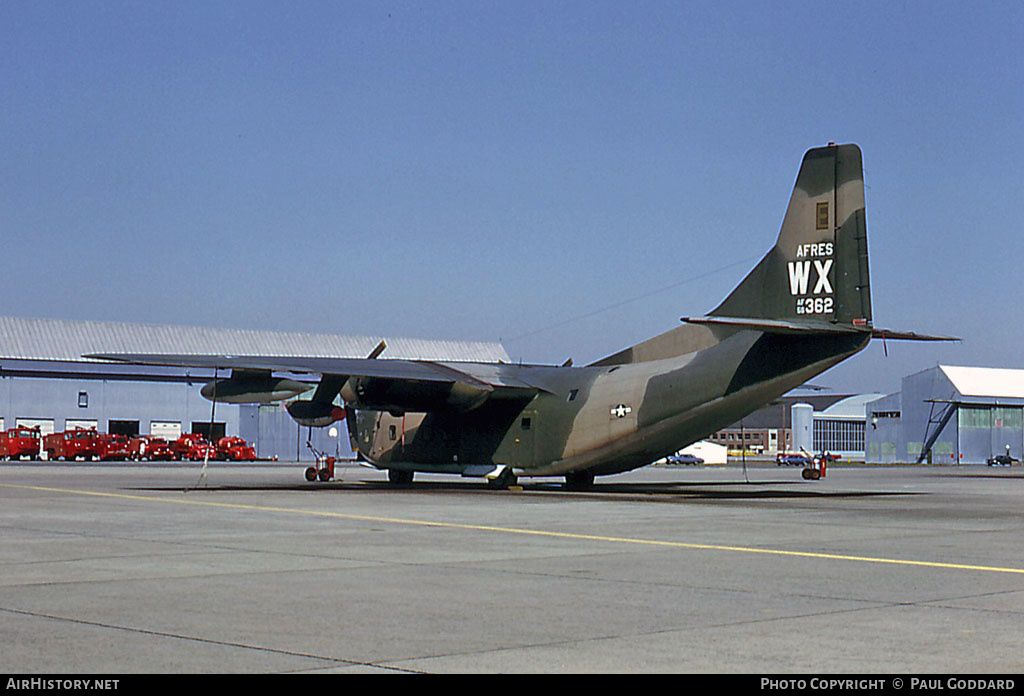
[530, 532]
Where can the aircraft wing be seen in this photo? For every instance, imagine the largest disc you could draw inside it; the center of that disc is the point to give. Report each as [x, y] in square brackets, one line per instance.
[487, 376]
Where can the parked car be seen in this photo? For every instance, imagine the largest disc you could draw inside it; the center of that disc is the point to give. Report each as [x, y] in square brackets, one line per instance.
[792, 459]
[687, 459]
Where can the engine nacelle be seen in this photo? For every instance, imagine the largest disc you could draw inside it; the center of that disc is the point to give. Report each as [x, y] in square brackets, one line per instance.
[315, 414]
[253, 389]
[399, 396]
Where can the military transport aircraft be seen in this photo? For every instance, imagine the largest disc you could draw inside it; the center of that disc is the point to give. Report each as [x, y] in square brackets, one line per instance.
[804, 307]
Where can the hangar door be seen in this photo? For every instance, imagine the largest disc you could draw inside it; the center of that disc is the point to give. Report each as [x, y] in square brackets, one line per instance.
[985, 431]
[1007, 429]
[45, 425]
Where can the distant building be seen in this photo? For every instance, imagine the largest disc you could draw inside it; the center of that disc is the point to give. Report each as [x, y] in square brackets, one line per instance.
[708, 451]
[839, 423]
[949, 415]
[840, 428]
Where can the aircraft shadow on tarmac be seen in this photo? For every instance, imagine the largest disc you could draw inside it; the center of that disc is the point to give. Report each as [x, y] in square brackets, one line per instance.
[652, 492]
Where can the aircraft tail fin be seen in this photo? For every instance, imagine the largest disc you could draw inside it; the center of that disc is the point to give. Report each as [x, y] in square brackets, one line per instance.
[817, 272]
[813, 282]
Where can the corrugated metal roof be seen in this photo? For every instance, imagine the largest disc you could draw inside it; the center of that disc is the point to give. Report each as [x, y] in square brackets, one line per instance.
[57, 339]
[986, 381]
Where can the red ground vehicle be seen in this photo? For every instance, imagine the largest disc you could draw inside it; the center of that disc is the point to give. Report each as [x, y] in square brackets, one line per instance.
[235, 449]
[20, 442]
[143, 447]
[112, 446]
[193, 446]
[72, 444]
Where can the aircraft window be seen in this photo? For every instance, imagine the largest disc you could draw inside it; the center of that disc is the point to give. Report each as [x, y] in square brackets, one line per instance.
[573, 393]
[392, 433]
[525, 424]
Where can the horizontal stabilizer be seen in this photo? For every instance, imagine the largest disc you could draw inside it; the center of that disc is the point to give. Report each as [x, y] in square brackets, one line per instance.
[889, 334]
[778, 326]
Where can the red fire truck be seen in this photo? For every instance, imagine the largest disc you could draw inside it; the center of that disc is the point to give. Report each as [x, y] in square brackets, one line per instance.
[235, 449]
[112, 446]
[193, 446]
[20, 442]
[72, 444]
[149, 447]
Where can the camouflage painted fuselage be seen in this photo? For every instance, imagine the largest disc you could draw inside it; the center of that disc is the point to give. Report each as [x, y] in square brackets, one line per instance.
[605, 419]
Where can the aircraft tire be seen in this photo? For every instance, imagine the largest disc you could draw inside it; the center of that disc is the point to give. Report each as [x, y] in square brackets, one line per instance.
[503, 480]
[311, 474]
[579, 480]
[397, 477]
[325, 475]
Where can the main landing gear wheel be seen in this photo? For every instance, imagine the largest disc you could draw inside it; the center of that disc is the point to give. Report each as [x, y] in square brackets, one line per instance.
[503, 480]
[579, 480]
[397, 477]
[311, 474]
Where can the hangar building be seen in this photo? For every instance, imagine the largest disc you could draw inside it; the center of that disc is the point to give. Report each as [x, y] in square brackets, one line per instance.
[45, 381]
[948, 414]
[839, 429]
[838, 426]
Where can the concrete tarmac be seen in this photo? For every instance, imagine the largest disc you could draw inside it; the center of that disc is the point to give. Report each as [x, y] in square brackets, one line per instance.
[136, 569]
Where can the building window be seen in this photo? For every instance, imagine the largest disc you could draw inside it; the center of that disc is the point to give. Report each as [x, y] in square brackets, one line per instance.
[885, 414]
[833, 435]
[974, 417]
[1007, 417]
[83, 399]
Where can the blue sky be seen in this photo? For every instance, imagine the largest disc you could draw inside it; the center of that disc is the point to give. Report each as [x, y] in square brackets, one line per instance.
[508, 171]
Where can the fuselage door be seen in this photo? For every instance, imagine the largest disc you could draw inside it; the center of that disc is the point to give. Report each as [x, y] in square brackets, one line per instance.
[525, 440]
